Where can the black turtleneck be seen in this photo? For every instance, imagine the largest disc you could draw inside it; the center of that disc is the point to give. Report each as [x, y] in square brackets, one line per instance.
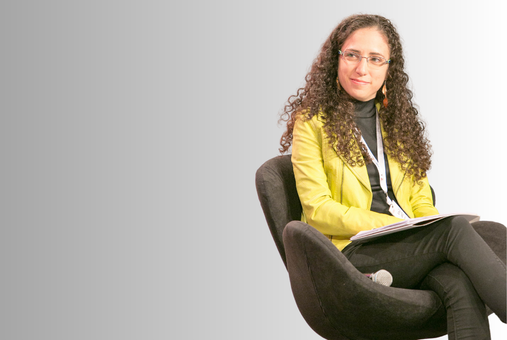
[366, 122]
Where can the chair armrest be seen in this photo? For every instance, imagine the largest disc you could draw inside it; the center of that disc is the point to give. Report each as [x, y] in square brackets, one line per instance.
[335, 298]
[495, 235]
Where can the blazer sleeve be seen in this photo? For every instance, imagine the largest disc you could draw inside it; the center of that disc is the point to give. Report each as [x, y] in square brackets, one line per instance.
[320, 209]
[421, 199]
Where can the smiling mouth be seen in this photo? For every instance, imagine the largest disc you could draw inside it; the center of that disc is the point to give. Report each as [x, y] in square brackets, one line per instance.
[359, 82]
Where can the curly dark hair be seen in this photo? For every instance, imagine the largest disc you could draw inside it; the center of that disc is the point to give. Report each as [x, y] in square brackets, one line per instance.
[405, 139]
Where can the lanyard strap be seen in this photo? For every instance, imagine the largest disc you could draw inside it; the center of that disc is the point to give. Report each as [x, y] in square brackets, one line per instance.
[381, 167]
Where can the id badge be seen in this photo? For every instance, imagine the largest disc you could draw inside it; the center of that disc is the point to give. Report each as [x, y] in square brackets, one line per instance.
[396, 211]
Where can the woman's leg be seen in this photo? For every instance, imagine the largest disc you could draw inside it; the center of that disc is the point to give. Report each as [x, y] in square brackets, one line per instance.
[466, 313]
[410, 255]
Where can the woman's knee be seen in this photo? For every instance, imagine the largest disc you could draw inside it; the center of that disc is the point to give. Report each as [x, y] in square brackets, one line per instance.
[459, 223]
[459, 230]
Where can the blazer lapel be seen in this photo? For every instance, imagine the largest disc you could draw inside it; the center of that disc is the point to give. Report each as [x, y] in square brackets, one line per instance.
[360, 172]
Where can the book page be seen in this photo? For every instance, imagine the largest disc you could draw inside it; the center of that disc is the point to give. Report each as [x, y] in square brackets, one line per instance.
[408, 224]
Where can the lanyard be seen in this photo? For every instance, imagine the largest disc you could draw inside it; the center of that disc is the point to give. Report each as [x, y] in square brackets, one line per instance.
[381, 167]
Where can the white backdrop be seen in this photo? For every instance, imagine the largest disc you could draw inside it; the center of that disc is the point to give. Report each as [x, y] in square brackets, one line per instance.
[131, 133]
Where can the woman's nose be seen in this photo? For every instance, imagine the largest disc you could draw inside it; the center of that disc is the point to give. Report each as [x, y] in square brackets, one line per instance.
[361, 66]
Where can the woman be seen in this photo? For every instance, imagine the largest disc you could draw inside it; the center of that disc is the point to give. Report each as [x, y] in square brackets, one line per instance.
[360, 159]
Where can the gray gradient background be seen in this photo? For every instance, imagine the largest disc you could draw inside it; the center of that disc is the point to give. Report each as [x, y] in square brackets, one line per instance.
[131, 132]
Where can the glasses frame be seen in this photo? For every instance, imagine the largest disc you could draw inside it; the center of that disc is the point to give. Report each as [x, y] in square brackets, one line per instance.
[367, 58]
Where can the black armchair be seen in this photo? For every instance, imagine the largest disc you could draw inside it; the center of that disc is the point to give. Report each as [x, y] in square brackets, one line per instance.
[335, 299]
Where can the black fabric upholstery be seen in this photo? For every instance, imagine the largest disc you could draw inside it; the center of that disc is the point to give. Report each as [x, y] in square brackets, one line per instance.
[336, 300]
[495, 235]
[276, 188]
[339, 302]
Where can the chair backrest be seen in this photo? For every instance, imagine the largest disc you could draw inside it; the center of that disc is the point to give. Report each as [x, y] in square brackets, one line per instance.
[276, 188]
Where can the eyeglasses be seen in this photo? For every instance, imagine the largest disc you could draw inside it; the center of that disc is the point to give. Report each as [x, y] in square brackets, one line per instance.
[354, 57]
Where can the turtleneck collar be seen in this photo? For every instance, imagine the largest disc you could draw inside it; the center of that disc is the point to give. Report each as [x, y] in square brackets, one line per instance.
[365, 109]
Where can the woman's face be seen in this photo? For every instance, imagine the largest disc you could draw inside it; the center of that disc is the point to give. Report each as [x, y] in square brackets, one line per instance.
[362, 80]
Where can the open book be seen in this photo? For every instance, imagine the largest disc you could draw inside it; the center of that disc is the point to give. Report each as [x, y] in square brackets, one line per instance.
[407, 224]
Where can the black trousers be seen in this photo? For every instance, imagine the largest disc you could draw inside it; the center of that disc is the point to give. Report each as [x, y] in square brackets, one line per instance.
[448, 257]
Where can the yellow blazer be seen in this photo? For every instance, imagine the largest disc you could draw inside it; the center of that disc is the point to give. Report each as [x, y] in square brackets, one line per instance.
[336, 197]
